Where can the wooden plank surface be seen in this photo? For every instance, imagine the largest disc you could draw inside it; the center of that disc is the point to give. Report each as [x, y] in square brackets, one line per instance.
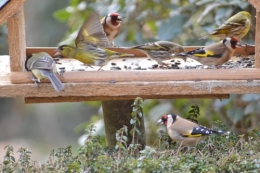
[10, 9]
[16, 40]
[147, 76]
[30, 100]
[107, 91]
[249, 50]
[256, 4]
[257, 39]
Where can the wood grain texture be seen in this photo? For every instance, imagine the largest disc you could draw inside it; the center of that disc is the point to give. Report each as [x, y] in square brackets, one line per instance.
[249, 50]
[257, 39]
[31, 100]
[107, 91]
[16, 40]
[112, 77]
[10, 9]
[255, 3]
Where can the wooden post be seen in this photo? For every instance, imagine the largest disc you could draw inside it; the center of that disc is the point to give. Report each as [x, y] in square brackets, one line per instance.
[16, 40]
[116, 114]
[257, 40]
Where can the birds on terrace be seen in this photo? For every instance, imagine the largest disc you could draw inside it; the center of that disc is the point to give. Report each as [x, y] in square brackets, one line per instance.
[90, 45]
[184, 131]
[96, 35]
[43, 66]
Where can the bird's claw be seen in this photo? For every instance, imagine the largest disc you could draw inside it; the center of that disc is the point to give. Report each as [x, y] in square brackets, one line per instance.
[36, 81]
[62, 71]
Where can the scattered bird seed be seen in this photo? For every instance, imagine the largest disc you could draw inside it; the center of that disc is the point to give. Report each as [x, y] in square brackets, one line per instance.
[115, 68]
[112, 63]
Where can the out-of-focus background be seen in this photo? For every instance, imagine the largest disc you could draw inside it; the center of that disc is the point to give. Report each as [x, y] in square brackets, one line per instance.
[43, 127]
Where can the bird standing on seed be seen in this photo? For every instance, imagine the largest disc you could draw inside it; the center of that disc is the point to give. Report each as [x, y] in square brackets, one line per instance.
[160, 50]
[184, 131]
[112, 26]
[214, 54]
[43, 66]
[236, 26]
[90, 44]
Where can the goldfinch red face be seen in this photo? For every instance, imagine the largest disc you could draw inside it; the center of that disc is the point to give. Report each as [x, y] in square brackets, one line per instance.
[231, 43]
[167, 120]
[115, 18]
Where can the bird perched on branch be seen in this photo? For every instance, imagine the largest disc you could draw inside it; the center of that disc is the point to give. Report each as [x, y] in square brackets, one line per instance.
[214, 54]
[112, 26]
[90, 44]
[160, 50]
[236, 26]
[43, 67]
[184, 131]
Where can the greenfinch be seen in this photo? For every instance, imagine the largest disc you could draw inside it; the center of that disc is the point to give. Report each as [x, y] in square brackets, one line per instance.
[90, 45]
[214, 54]
[236, 26]
[42, 67]
[186, 132]
[160, 50]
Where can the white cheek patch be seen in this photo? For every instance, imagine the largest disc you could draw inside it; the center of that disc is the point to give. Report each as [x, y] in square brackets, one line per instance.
[169, 121]
[228, 44]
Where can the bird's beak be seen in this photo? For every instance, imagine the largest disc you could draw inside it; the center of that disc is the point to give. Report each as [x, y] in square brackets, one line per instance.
[57, 52]
[118, 19]
[240, 44]
[159, 122]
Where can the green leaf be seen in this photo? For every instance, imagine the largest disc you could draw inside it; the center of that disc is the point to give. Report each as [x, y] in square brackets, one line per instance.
[132, 121]
[135, 108]
[250, 108]
[62, 15]
[124, 138]
[169, 28]
[250, 97]
[140, 114]
[138, 132]
[235, 114]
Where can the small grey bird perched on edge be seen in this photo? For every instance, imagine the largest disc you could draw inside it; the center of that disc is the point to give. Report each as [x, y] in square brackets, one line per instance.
[43, 66]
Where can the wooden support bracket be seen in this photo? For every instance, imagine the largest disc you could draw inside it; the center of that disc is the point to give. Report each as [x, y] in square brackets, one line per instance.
[16, 40]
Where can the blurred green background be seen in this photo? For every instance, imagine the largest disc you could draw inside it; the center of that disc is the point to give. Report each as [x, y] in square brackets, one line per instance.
[42, 127]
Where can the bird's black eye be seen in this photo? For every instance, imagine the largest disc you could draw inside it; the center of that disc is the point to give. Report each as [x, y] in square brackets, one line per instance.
[224, 41]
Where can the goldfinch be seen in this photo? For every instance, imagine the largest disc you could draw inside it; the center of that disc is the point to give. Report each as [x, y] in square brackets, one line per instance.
[236, 26]
[214, 54]
[43, 66]
[112, 26]
[90, 44]
[184, 131]
[160, 50]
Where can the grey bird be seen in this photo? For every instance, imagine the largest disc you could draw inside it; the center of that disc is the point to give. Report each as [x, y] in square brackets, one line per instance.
[43, 66]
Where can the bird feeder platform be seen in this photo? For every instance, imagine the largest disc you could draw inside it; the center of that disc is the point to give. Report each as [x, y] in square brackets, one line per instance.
[121, 85]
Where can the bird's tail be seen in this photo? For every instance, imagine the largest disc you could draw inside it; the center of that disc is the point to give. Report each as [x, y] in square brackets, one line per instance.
[56, 83]
[220, 132]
